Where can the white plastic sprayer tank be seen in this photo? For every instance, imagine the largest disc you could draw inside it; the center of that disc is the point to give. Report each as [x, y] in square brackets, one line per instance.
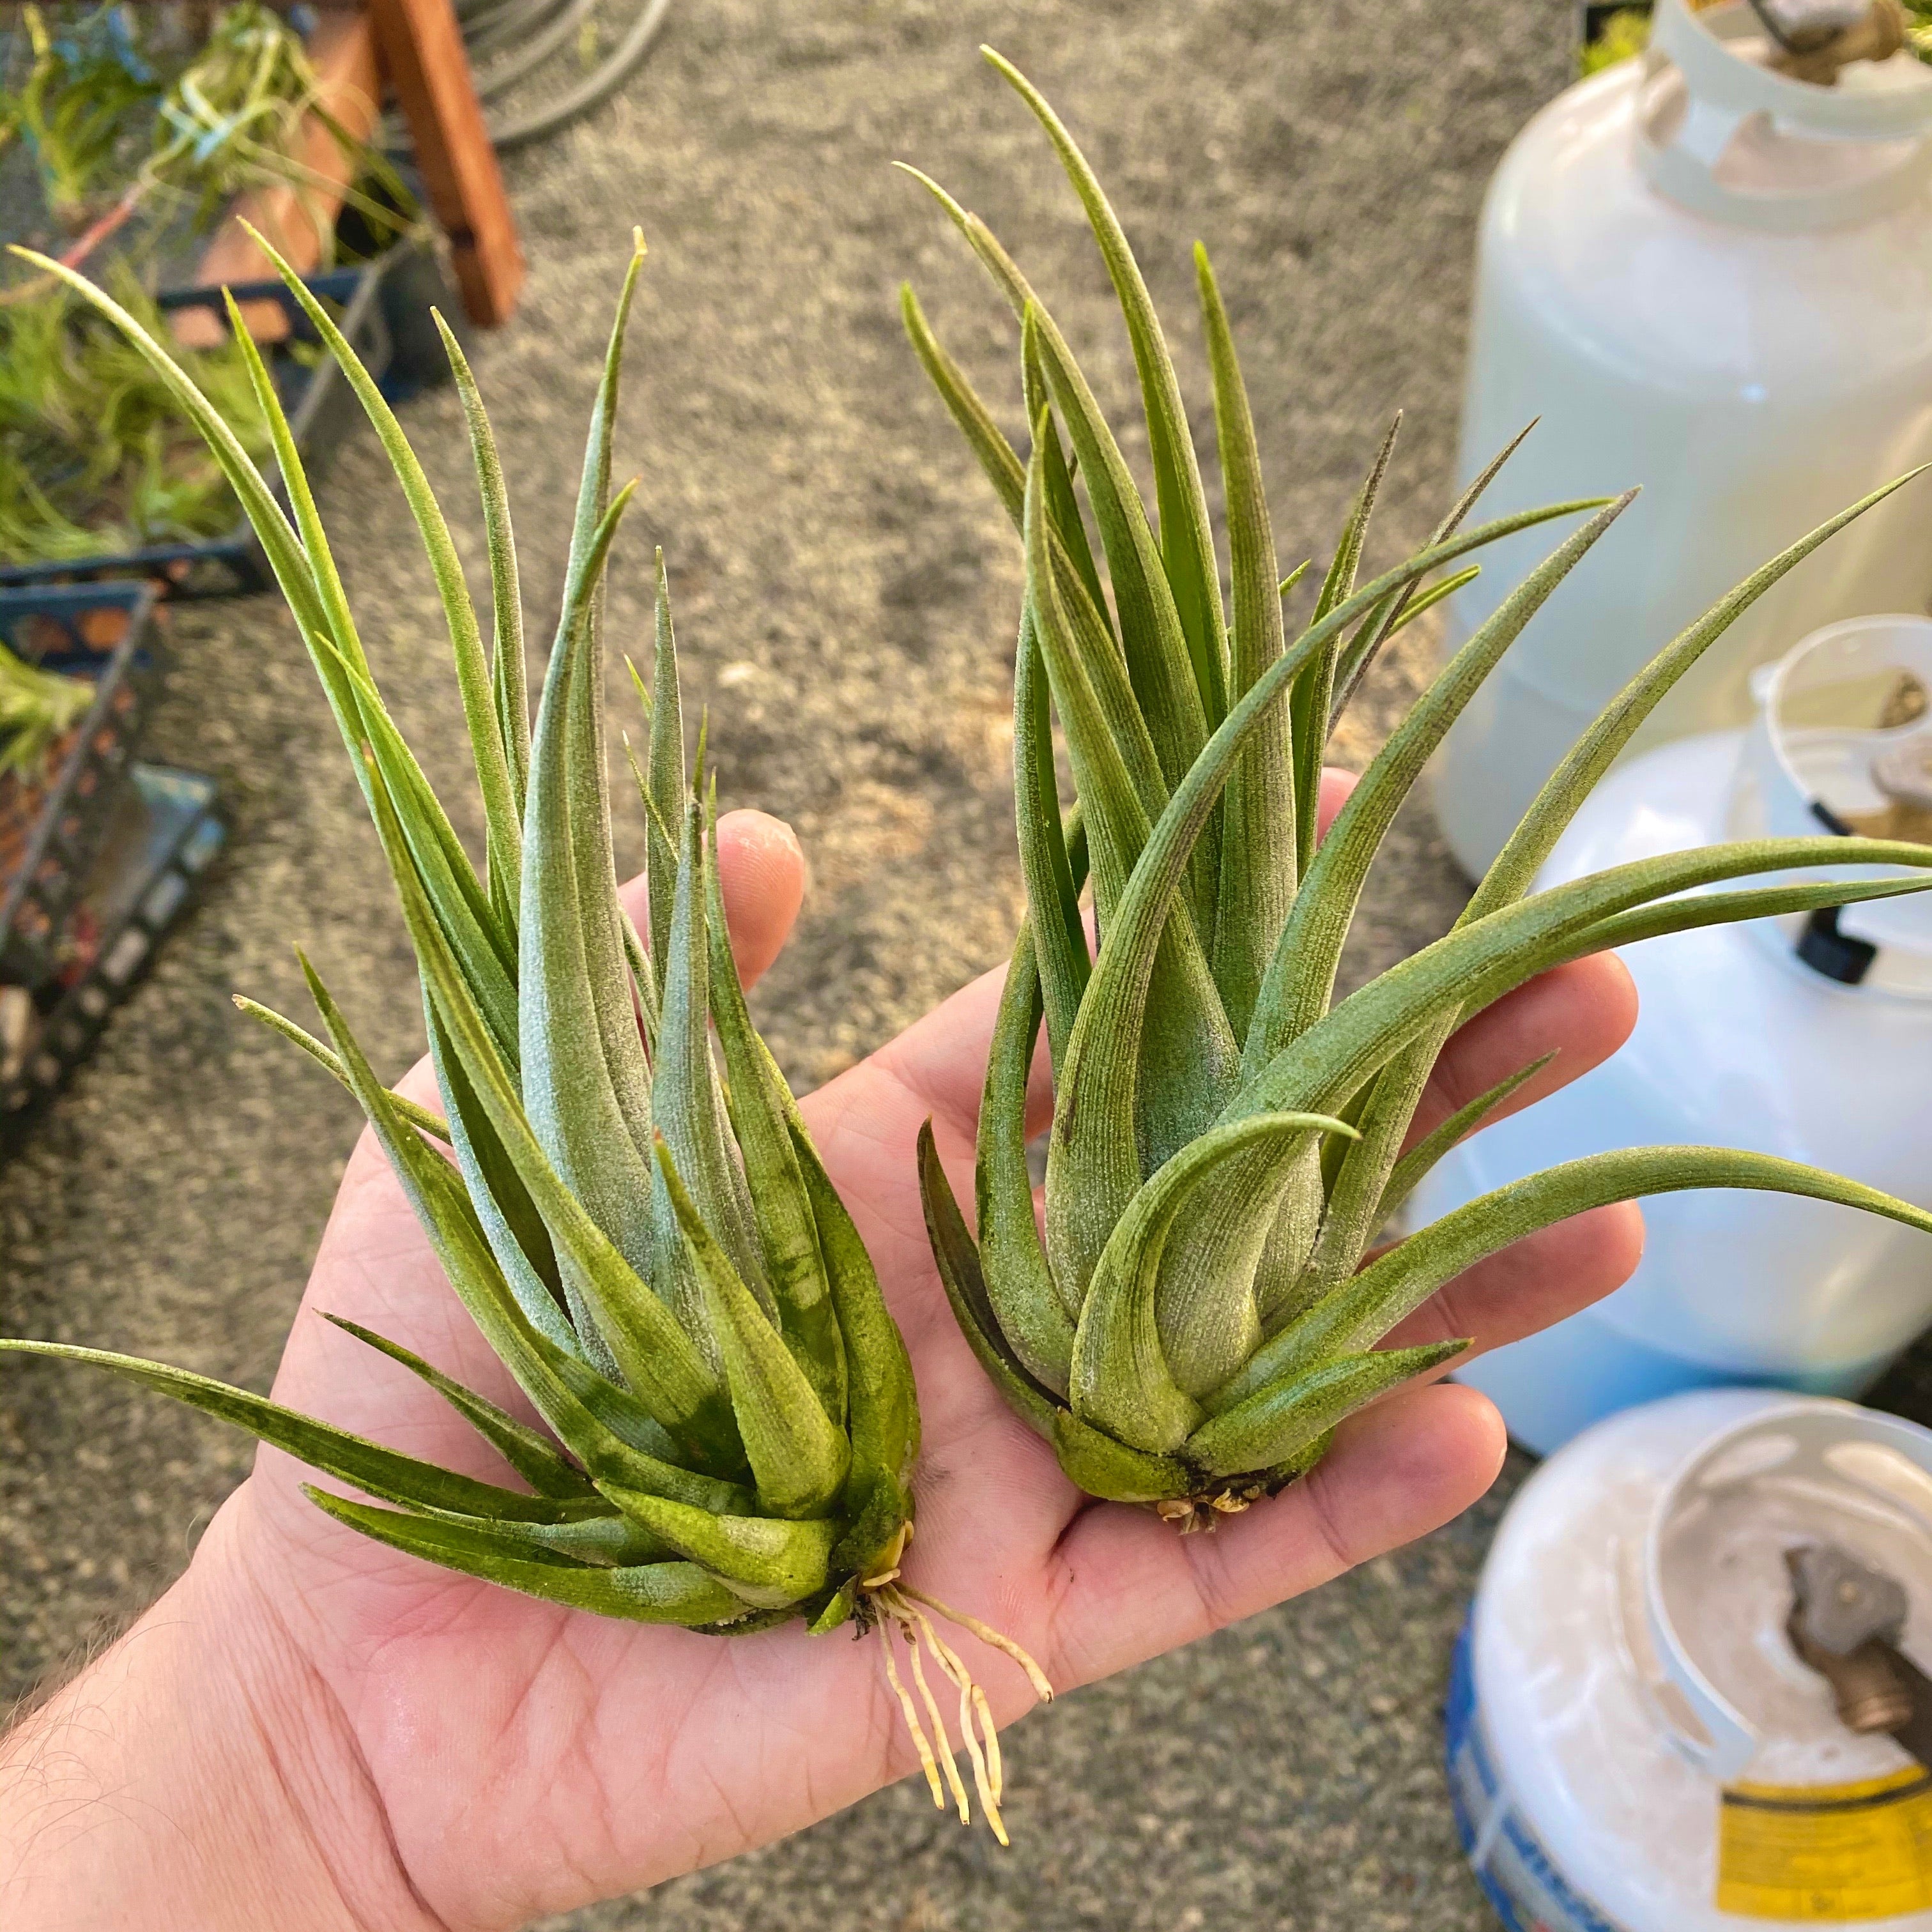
[1715, 281]
[1807, 1038]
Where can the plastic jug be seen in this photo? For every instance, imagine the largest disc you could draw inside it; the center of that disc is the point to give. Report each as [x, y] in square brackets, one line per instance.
[1715, 280]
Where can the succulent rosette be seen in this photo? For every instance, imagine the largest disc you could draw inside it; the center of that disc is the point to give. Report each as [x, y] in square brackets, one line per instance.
[1230, 1142]
[646, 1239]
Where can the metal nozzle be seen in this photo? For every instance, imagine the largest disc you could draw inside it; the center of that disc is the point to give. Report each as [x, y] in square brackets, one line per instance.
[1845, 1622]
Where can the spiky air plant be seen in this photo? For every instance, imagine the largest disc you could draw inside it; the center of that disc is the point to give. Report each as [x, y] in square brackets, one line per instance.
[654, 1251]
[38, 708]
[1228, 1142]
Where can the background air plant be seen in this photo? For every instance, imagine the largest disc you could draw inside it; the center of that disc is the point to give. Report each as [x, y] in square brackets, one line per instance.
[1227, 1141]
[654, 1252]
[95, 454]
[113, 102]
[37, 708]
[72, 94]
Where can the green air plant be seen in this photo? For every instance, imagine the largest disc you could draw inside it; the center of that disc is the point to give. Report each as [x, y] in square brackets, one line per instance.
[1623, 36]
[123, 114]
[1228, 1142]
[233, 119]
[38, 708]
[95, 455]
[86, 84]
[654, 1251]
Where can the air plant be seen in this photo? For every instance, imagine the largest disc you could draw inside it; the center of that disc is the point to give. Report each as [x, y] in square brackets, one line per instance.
[95, 454]
[233, 118]
[37, 709]
[1228, 1142]
[1622, 36]
[87, 82]
[653, 1251]
[101, 95]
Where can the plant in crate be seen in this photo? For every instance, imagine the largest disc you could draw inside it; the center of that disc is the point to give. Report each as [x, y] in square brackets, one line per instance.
[1229, 1141]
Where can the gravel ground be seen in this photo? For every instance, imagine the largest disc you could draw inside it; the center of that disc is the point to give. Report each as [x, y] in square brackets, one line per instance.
[846, 590]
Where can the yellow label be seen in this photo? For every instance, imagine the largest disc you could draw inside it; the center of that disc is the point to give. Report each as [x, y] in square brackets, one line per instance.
[1824, 1854]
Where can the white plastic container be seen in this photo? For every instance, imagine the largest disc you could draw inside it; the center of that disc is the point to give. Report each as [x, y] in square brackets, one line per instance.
[1631, 1735]
[1714, 281]
[1808, 1039]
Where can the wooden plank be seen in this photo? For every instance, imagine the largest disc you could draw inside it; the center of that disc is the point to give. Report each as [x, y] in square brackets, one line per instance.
[298, 221]
[423, 59]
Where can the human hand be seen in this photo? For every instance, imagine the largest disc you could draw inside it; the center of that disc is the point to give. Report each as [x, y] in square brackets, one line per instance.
[313, 1730]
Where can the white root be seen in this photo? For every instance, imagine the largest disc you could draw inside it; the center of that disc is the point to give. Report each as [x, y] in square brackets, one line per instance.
[895, 1604]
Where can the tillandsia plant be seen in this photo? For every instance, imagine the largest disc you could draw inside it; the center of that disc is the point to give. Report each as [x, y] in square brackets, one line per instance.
[38, 708]
[653, 1250]
[95, 456]
[1228, 1142]
[83, 84]
[107, 95]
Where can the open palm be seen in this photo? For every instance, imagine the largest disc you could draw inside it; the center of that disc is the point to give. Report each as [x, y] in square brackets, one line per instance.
[483, 1758]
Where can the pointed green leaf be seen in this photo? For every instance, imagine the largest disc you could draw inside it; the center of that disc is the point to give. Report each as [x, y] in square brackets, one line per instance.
[1053, 893]
[799, 1459]
[1163, 679]
[534, 1456]
[1366, 1307]
[668, 788]
[418, 1118]
[1475, 964]
[788, 1232]
[1187, 545]
[1314, 691]
[1267, 1428]
[1036, 1326]
[1301, 973]
[1353, 664]
[650, 1593]
[586, 1088]
[610, 1541]
[983, 436]
[965, 1284]
[1064, 506]
[1408, 1171]
[508, 1217]
[508, 683]
[1260, 861]
[473, 670]
[882, 1409]
[379, 1471]
[1555, 804]
[766, 1562]
[689, 1112]
[279, 541]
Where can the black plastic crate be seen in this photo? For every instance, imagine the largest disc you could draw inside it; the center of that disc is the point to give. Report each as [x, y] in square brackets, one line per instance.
[109, 634]
[162, 836]
[382, 307]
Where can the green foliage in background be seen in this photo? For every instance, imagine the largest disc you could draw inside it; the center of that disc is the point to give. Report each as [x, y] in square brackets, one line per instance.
[37, 708]
[120, 119]
[96, 456]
